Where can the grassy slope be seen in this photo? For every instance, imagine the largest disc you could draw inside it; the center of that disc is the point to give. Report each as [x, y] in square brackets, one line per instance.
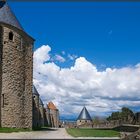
[92, 132]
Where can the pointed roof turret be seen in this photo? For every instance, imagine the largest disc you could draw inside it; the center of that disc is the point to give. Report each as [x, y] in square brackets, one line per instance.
[34, 90]
[84, 115]
[2, 2]
[7, 16]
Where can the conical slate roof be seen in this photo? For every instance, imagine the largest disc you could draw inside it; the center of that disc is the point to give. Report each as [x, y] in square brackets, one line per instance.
[84, 115]
[7, 16]
[34, 90]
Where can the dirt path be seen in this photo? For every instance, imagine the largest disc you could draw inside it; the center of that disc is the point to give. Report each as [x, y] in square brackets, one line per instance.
[59, 133]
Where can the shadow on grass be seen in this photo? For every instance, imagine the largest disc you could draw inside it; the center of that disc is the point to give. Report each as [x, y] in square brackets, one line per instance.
[126, 129]
[121, 129]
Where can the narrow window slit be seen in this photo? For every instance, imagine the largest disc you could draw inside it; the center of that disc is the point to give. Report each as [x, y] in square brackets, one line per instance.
[11, 36]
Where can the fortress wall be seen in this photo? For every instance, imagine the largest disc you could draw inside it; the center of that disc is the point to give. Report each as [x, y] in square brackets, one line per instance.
[1, 46]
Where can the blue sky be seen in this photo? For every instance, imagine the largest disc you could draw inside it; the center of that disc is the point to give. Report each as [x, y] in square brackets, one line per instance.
[104, 32]
[91, 53]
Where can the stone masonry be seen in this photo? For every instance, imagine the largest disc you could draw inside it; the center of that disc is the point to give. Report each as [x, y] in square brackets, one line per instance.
[1, 40]
[20, 104]
[16, 91]
[15, 74]
[41, 116]
[52, 115]
[35, 108]
[41, 113]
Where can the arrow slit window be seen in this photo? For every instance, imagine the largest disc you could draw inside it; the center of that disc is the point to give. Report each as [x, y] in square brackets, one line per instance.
[11, 36]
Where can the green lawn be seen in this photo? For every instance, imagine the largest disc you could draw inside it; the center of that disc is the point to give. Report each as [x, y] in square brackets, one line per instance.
[81, 132]
[9, 130]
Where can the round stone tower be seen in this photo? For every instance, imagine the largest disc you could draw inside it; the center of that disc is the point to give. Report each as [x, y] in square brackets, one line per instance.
[84, 118]
[15, 71]
[41, 110]
[36, 120]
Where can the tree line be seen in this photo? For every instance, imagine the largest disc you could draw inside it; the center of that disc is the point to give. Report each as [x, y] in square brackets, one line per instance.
[124, 114]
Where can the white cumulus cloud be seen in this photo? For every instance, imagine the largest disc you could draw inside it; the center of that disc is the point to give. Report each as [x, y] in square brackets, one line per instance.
[59, 58]
[83, 84]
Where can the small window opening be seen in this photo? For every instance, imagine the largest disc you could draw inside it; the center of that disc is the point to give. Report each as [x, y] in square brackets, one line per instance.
[11, 36]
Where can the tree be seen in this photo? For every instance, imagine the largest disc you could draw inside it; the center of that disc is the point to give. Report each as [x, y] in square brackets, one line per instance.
[125, 114]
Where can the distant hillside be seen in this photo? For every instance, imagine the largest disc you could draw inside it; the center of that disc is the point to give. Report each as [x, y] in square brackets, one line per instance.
[68, 118]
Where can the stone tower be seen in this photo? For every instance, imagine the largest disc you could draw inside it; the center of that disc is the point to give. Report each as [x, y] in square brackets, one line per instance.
[15, 71]
[52, 114]
[36, 120]
[41, 110]
[84, 118]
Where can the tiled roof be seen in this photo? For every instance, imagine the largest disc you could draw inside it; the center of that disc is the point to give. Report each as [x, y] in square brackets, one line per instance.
[84, 115]
[7, 16]
[40, 102]
[51, 106]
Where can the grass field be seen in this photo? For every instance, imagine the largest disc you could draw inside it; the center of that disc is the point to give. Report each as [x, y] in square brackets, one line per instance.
[81, 132]
[9, 130]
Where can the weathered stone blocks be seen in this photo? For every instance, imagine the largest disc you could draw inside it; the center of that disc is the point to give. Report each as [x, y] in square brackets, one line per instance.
[16, 78]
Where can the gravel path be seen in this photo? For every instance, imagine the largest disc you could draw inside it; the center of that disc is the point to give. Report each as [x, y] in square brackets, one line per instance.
[59, 133]
[53, 133]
